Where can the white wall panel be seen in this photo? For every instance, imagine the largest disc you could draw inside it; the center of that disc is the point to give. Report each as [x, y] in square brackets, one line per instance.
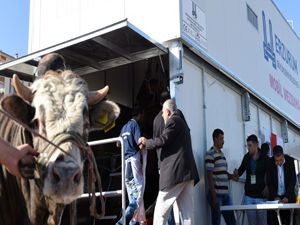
[252, 126]
[264, 120]
[223, 110]
[276, 126]
[158, 19]
[189, 98]
[56, 21]
[293, 146]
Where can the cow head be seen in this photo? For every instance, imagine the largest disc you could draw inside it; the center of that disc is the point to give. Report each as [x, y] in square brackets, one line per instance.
[60, 104]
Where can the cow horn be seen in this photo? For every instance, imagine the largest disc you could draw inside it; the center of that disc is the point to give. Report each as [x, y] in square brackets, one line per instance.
[22, 90]
[97, 96]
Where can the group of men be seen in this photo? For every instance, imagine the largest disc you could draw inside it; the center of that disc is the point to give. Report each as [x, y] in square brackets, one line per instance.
[266, 179]
[178, 172]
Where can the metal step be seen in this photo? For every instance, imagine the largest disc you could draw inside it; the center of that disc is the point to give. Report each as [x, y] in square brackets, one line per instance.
[115, 174]
[106, 194]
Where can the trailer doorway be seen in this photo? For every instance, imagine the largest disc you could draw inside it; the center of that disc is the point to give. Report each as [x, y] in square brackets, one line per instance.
[137, 70]
[139, 83]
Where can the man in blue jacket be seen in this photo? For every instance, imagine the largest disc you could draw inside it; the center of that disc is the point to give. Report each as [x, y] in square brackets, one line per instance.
[134, 180]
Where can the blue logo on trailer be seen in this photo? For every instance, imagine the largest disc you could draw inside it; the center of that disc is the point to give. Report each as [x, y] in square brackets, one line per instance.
[269, 52]
[279, 47]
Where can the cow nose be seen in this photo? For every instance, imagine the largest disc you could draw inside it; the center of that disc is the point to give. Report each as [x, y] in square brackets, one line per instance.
[65, 174]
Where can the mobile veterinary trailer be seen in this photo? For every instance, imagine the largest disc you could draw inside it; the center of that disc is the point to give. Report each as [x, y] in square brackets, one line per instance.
[232, 65]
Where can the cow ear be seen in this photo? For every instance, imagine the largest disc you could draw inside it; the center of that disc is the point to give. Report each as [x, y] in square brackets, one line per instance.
[103, 115]
[18, 108]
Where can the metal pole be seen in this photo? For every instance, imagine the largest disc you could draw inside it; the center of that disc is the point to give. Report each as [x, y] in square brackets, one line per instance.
[120, 140]
[123, 182]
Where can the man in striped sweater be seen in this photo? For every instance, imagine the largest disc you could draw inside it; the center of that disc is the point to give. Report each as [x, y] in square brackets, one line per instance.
[218, 180]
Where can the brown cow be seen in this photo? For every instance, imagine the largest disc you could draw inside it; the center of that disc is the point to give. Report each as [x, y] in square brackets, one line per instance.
[61, 106]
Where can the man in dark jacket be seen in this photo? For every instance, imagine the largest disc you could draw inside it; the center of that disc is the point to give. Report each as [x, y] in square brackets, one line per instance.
[158, 128]
[159, 123]
[178, 172]
[255, 164]
[281, 181]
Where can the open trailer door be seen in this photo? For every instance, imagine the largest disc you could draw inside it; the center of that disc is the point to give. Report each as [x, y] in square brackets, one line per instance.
[115, 45]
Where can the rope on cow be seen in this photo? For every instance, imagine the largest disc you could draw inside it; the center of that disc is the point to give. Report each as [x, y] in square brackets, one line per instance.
[93, 177]
[73, 213]
[93, 174]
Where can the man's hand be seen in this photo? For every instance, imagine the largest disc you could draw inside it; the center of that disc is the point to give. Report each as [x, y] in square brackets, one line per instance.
[23, 164]
[284, 200]
[236, 173]
[233, 177]
[142, 143]
[142, 140]
[141, 147]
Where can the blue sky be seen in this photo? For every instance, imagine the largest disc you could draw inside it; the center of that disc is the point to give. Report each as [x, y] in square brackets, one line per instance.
[14, 17]
[291, 11]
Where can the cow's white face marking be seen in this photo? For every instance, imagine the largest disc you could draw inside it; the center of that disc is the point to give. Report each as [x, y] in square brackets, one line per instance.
[60, 102]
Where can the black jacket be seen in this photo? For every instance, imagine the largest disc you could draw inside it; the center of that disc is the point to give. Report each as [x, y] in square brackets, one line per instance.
[254, 190]
[159, 126]
[289, 179]
[177, 163]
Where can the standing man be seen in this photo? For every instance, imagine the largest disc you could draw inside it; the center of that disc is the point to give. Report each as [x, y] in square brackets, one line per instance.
[281, 181]
[255, 164]
[158, 128]
[218, 180]
[178, 172]
[134, 180]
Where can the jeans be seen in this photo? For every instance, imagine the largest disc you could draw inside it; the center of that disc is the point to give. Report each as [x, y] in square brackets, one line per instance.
[255, 217]
[133, 193]
[171, 220]
[223, 199]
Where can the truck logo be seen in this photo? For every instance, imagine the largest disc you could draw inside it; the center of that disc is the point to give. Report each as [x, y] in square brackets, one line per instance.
[268, 47]
[194, 10]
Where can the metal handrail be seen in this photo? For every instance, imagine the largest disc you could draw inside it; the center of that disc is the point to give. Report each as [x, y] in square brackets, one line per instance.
[114, 193]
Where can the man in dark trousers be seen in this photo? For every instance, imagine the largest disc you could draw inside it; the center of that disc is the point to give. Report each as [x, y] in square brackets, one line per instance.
[281, 181]
[178, 172]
